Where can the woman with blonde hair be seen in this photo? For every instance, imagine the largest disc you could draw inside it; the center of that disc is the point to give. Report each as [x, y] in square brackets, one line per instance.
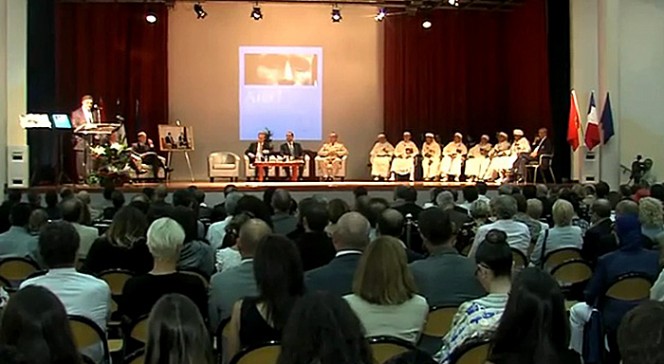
[651, 216]
[384, 295]
[562, 235]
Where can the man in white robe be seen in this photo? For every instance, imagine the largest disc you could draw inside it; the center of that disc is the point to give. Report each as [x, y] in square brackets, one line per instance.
[404, 158]
[453, 155]
[380, 158]
[430, 158]
[499, 156]
[478, 159]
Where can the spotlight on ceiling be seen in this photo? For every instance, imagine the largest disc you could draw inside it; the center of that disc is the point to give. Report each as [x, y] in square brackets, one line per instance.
[200, 12]
[336, 15]
[380, 15]
[256, 13]
[151, 17]
[426, 24]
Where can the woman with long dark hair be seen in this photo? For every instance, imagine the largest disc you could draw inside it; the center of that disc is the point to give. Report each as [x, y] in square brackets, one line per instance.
[323, 329]
[533, 327]
[177, 333]
[280, 283]
[35, 323]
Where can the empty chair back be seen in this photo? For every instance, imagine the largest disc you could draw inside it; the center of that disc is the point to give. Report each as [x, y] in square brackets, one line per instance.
[572, 272]
[139, 330]
[471, 353]
[560, 256]
[385, 348]
[630, 287]
[267, 353]
[17, 269]
[87, 333]
[439, 321]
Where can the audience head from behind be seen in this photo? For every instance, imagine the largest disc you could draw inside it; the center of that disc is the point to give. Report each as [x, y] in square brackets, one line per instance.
[529, 191]
[66, 193]
[279, 277]
[437, 230]
[351, 232]
[281, 201]
[390, 223]
[382, 276]
[434, 193]
[480, 210]
[360, 191]
[160, 193]
[494, 260]
[19, 215]
[336, 208]
[323, 329]
[141, 202]
[650, 212]
[627, 207]
[228, 189]
[640, 334]
[602, 189]
[199, 195]
[504, 207]
[657, 191]
[251, 234]
[405, 193]
[35, 323]
[38, 218]
[72, 210]
[58, 245]
[231, 201]
[482, 188]
[34, 198]
[184, 197]
[445, 200]
[14, 196]
[315, 217]
[148, 192]
[129, 226]
[177, 333]
[233, 230]
[118, 199]
[109, 188]
[186, 217]
[505, 190]
[84, 197]
[521, 203]
[534, 208]
[563, 213]
[165, 240]
[254, 206]
[628, 231]
[533, 327]
[51, 198]
[600, 209]
[470, 193]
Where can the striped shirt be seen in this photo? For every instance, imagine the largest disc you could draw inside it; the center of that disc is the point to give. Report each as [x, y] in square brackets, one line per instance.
[477, 318]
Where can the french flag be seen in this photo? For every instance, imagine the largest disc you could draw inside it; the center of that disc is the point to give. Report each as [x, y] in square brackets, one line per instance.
[593, 138]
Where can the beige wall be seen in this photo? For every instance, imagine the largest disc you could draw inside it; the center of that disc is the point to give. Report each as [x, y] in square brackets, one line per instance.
[203, 73]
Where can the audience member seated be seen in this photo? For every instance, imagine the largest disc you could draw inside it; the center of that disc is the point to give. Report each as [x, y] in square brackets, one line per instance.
[72, 211]
[562, 235]
[140, 202]
[216, 231]
[186, 198]
[445, 202]
[204, 211]
[228, 256]
[35, 324]
[480, 212]
[335, 209]
[38, 218]
[384, 294]
[282, 219]
[533, 327]
[445, 277]
[350, 238]
[630, 257]
[535, 209]
[405, 201]
[34, 199]
[52, 208]
[81, 294]
[640, 334]
[255, 207]
[504, 208]
[235, 283]
[177, 333]
[478, 318]
[17, 241]
[195, 255]
[280, 282]
[88, 211]
[13, 198]
[165, 239]
[599, 233]
[159, 207]
[314, 244]
[652, 220]
[122, 246]
[118, 199]
[390, 223]
[534, 226]
[323, 329]
[470, 195]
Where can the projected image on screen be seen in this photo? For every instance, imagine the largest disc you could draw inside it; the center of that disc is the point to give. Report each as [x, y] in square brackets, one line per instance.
[281, 89]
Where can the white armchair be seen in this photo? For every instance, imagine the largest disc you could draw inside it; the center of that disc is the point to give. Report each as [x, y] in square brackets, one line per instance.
[223, 165]
[341, 173]
[250, 170]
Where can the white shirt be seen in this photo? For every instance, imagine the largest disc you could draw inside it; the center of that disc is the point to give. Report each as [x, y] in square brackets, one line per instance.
[518, 235]
[88, 235]
[88, 116]
[347, 252]
[227, 258]
[216, 232]
[559, 237]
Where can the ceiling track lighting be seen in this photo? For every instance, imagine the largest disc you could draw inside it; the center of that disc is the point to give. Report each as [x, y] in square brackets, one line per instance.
[336, 14]
[256, 13]
[382, 13]
[200, 12]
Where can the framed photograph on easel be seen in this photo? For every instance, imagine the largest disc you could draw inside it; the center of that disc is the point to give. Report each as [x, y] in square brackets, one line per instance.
[176, 138]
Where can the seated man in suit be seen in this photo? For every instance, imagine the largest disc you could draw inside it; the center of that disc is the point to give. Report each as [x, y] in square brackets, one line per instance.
[143, 152]
[350, 237]
[260, 149]
[541, 145]
[291, 150]
[596, 235]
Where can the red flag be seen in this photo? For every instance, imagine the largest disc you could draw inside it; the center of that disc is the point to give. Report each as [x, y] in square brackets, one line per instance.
[592, 125]
[573, 123]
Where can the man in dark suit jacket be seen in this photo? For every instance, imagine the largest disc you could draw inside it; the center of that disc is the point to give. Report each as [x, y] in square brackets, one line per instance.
[350, 238]
[292, 150]
[259, 148]
[81, 116]
[315, 246]
[598, 235]
[541, 145]
[391, 223]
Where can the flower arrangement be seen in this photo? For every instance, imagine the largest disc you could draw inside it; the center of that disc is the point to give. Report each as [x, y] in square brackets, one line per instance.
[111, 164]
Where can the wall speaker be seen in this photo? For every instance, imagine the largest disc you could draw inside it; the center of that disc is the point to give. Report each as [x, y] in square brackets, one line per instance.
[18, 166]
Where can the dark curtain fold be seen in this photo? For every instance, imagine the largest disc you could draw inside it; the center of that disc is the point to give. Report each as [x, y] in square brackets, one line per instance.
[474, 72]
[109, 51]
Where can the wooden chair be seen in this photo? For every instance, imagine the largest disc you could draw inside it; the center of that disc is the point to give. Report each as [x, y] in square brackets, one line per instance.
[266, 353]
[220, 338]
[519, 260]
[139, 329]
[560, 256]
[17, 269]
[572, 272]
[472, 353]
[137, 357]
[205, 281]
[116, 279]
[87, 333]
[439, 321]
[386, 347]
[630, 287]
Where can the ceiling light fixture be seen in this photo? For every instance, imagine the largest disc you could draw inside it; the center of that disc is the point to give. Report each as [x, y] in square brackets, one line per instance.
[426, 24]
[151, 17]
[336, 14]
[200, 12]
[453, 2]
[382, 13]
[256, 13]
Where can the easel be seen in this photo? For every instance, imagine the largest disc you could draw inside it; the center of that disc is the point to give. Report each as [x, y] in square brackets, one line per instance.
[169, 160]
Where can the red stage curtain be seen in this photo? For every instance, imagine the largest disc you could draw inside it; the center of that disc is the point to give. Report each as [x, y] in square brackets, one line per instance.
[473, 71]
[109, 51]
